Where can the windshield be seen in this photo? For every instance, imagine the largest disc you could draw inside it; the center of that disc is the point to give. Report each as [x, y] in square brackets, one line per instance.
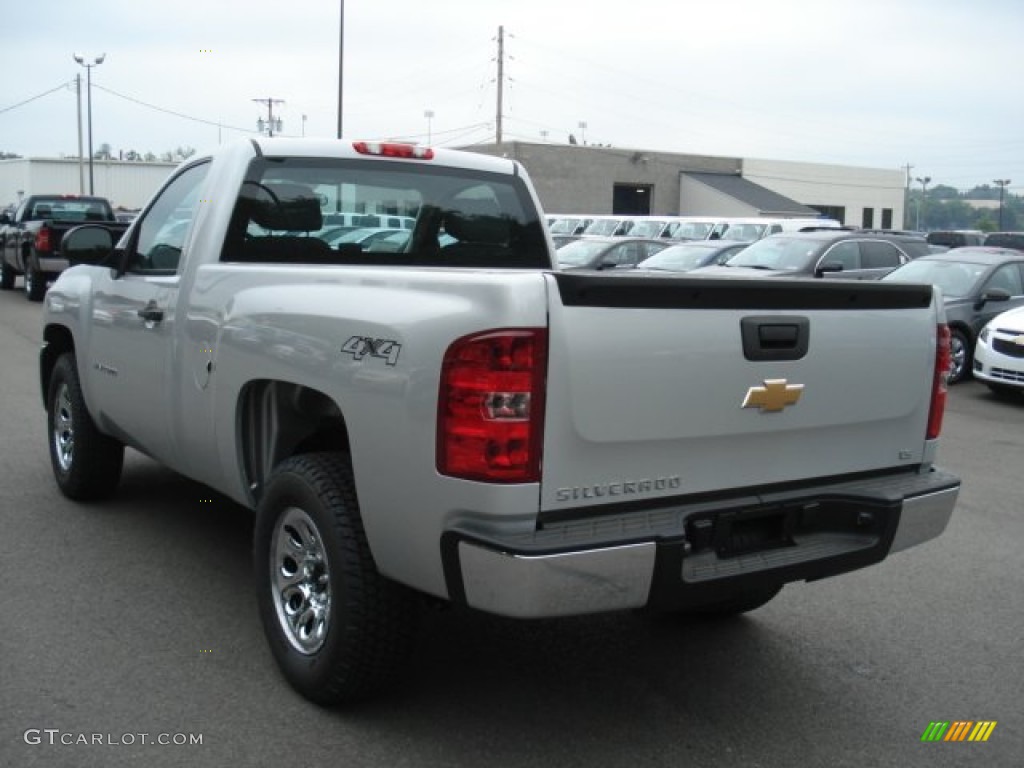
[693, 230]
[579, 253]
[955, 279]
[564, 226]
[603, 227]
[647, 229]
[744, 231]
[678, 258]
[781, 253]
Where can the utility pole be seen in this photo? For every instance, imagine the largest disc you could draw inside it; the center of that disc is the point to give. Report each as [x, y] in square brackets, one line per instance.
[906, 197]
[272, 123]
[1002, 184]
[923, 181]
[81, 158]
[501, 82]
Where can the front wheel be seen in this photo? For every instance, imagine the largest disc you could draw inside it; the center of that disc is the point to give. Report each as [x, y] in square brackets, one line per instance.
[86, 463]
[7, 275]
[339, 630]
[960, 351]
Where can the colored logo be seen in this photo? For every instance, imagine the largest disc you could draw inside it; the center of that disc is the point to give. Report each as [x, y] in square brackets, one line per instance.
[958, 730]
[775, 395]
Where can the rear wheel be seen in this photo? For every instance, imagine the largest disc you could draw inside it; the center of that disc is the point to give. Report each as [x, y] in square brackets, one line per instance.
[86, 463]
[338, 629]
[960, 351]
[35, 282]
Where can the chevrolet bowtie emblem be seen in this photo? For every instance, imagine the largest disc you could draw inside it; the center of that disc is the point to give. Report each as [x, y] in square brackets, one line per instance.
[1018, 340]
[775, 395]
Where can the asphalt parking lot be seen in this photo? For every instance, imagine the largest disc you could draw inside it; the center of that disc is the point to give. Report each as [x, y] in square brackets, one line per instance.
[135, 620]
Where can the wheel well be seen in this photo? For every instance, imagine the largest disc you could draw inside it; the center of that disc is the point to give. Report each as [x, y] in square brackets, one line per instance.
[277, 420]
[56, 341]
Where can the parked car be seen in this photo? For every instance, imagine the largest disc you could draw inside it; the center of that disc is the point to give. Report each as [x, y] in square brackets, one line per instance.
[956, 238]
[697, 227]
[755, 229]
[1005, 240]
[30, 237]
[606, 226]
[999, 353]
[607, 252]
[682, 257]
[568, 224]
[825, 253]
[977, 284]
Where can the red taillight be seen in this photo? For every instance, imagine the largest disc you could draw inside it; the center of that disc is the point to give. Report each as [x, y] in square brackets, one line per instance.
[43, 242]
[393, 149]
[490, 414]
[943, 363]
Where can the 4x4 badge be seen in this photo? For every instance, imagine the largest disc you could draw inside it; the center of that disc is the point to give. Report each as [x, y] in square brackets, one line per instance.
[775, 395]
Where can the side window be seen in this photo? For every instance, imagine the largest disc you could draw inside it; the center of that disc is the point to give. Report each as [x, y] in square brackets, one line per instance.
[1006, 277]
[876, 254]
[163, 227]
[846, 253]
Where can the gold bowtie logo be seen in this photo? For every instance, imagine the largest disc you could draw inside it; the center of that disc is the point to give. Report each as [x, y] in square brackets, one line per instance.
[775, 395]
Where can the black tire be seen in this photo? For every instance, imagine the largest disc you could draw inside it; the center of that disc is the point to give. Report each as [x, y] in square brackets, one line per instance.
[960, 351]
[35, 282]
[743, 602]
[86, 463]
[7, 275]
[348, 633]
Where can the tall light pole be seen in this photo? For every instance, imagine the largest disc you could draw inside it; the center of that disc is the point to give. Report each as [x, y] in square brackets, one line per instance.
[341, 60]
[429, 114]
[923, 181]
[88, 99]
[1002, 184]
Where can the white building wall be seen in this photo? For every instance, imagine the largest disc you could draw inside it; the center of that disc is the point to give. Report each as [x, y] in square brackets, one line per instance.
[851, 187]
[125, 184]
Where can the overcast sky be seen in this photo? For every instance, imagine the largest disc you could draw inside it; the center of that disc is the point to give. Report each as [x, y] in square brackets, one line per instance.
[877, 83]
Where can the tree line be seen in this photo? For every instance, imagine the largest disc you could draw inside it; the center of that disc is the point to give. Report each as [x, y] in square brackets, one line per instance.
[945, 207]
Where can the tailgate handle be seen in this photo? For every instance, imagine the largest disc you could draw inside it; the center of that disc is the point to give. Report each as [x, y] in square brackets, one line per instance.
[774, 337]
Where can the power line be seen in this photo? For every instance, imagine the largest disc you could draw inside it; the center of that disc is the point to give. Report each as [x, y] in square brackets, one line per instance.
[38, 96]
[170, 111]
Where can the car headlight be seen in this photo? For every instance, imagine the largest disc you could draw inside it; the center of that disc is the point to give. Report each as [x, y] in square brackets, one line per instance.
[985, 333]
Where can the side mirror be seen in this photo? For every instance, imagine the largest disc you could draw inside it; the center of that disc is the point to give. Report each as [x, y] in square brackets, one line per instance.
[5, 218]
[993, 294]
[829, 266]
[87, 244]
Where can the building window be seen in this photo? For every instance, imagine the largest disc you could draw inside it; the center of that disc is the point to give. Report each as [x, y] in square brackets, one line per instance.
[887, 218]
[868, 218]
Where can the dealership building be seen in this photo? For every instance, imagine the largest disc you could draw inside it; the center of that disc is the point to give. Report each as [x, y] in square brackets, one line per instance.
[571, 178]
[575, 178]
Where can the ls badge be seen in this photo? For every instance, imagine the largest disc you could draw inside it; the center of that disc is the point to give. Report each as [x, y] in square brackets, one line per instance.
[775, 395]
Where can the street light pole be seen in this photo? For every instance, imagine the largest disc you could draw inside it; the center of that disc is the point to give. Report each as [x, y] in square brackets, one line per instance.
[88, 99]
[1002, 184]
[923, 181]
[429, 114]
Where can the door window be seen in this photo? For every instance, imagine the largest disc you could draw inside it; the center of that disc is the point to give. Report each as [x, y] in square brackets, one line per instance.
[163, 228]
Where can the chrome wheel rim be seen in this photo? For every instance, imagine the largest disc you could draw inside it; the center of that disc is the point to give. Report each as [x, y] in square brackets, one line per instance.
[300, 581]
[63, 428]
[958, 353]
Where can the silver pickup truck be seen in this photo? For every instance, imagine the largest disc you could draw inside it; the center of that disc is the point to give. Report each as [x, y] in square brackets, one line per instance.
[439, 413]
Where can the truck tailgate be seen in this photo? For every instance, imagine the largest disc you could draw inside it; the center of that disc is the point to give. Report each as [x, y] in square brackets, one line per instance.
[671, 386]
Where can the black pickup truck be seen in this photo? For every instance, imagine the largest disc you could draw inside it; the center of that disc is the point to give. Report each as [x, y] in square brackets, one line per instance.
[30, 238]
